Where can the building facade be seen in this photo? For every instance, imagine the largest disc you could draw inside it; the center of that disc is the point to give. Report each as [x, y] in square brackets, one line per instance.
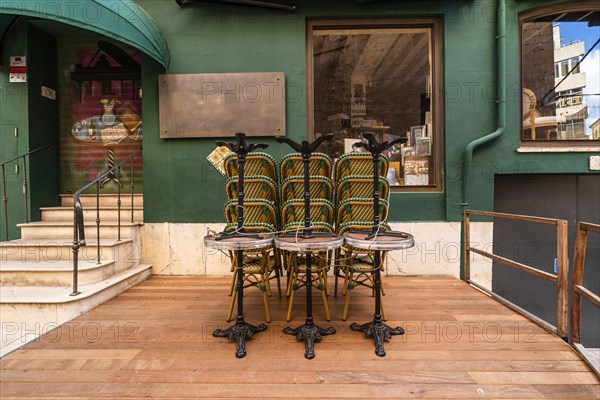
[450, 75]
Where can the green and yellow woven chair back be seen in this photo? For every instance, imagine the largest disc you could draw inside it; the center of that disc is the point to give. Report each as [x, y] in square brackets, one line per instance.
[257, 163]
[360, 186]
[360, 209]
[255, 210]
[321, 187]
[293, 164]
[355, 163]
[255, 187]
[321, 210]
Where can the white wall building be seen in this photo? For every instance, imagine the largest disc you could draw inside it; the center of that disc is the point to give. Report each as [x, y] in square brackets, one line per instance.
[569, 94]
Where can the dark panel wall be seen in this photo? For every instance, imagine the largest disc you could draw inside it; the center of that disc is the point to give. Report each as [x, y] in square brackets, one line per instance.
[570, 197]
[44, 170]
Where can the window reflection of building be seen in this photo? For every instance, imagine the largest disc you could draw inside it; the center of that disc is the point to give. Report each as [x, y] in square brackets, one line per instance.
[552, 72]
[596, 129]
[569, 92]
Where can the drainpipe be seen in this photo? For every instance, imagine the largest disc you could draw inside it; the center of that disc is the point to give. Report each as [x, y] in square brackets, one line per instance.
[500, 103]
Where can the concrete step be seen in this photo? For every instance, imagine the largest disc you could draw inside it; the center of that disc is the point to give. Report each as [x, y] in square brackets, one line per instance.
[27, 312]
[126, 252]
[106, 200]
[60, 273]
[89, 214]
[64, 229]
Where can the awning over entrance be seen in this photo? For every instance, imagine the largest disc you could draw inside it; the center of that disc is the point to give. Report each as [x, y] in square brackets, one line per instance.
[122, 20]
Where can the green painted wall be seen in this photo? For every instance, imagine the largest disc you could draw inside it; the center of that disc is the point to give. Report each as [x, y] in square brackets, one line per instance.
[181, 186]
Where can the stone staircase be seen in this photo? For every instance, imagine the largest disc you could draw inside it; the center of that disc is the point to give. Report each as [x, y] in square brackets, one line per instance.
[36, 271]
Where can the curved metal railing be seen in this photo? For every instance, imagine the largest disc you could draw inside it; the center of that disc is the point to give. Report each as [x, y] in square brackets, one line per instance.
[25, 185]
[112, 173]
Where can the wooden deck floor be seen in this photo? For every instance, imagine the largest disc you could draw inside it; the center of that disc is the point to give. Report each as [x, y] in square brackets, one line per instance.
[154, 341]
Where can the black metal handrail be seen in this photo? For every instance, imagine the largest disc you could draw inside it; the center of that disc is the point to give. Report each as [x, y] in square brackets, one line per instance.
[25, 189]
[78, 222]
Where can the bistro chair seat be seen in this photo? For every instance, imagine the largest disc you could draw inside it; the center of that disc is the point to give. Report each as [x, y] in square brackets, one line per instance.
[253, 227]
[321, 210]
[298, 228]
[256, 186]
[357, 163]
[255, 210]
[318, 226]
[293, 164]
[359, 186]
[359, 270]
[297, 276]
[257, 163]
[256, 270]
[258, 265]
[360, 225]
[292, 187]
[359, 210]
[347, 251]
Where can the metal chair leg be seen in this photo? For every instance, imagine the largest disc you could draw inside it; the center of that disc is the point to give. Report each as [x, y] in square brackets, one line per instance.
[323, 279]
[347, 280]
[265, 281]
[292, 294]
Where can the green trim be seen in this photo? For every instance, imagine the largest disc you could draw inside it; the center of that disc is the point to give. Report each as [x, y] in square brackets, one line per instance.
[122, 20]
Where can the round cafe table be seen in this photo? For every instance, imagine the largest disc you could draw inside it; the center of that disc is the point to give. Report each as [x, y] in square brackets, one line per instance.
[239, 242]
[382, 241]
[312, 243]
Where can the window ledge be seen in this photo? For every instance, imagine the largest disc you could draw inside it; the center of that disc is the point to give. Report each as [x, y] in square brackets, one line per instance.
[566, 149]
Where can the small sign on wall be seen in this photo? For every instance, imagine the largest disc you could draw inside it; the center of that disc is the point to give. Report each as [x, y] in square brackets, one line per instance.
[48, 93]
[17, 70]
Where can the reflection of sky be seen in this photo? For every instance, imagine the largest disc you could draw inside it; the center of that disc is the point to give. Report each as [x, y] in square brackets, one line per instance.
[579, 31]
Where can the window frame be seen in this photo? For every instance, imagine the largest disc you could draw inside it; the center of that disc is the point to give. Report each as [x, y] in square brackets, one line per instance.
[437, 102]
[524, 16]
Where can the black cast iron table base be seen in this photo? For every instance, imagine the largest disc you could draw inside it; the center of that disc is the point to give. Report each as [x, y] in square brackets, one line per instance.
[240, 332]
[310, 333]
[379, 331]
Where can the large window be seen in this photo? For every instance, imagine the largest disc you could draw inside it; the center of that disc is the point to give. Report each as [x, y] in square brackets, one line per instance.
[560, 66]
[379, 76]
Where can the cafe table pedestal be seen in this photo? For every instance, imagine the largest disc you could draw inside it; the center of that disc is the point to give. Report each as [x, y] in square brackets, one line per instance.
[241, 330]
[309, 331]
[386, 241]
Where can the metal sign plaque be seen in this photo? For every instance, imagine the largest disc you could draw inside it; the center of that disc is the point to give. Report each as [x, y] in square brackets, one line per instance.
[219, 105]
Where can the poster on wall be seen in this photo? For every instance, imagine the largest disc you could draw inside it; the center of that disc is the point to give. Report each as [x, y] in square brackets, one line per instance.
[101, 116]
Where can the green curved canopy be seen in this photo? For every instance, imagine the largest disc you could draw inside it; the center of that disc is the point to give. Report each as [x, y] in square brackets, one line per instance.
[123, 20]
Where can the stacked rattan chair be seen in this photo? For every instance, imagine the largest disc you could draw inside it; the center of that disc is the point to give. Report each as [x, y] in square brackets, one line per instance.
[354, 211]
[291, 175]
[260, 215]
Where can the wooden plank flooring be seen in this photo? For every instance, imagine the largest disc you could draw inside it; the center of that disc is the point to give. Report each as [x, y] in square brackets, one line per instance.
[155, 341]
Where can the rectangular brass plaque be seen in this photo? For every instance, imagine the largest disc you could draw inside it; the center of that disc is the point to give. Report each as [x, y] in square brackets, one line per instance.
[219, 105]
